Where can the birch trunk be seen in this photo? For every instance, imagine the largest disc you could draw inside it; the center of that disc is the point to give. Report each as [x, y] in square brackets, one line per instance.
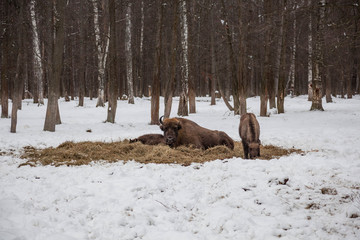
[291, 79]
[38, 68]
[310, 53]
[183, 102]
[128, 52]
[102, 51]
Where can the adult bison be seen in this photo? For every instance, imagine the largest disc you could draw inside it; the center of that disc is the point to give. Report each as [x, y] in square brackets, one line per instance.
[150, 139]
[181, 131]
[249, 131]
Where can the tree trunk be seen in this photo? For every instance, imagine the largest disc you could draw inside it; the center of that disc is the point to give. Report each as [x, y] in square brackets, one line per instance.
[102, 51]
[5, 65]
[234, 79]
[328, 86]
[128, 53]
[242, 68]
[113, 81]
[38, 68]
[183, 102]
[52, 111]
[291, 84]
[319, 61]
[310, 53]
[282, 67]
[264, 94]
[170, 84]
[141, 54]
[15, 99]
[155, 95]
[82, 68]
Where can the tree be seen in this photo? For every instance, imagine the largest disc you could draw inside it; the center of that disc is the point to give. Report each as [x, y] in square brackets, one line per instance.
[319, 61]
[155, 95]
[171, 82]
[113, 81]
[128, 53]
[38, 68]
[16, 99]
[102, 44]
[52, 111]
[282, 67]
[183, 102]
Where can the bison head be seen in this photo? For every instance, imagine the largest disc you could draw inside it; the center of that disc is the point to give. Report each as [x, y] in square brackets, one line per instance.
[254, 150]
[170, 127]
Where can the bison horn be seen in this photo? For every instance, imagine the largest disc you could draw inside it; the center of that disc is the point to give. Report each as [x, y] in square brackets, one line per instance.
[161, 119]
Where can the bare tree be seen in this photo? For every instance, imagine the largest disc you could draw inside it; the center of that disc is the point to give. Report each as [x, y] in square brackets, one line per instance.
[52, 112]
[128, 53]
[171, 82]
[155, 96]
[183, 102]
[113, 81]
[38, 68]
[319, 61]
[102, 52]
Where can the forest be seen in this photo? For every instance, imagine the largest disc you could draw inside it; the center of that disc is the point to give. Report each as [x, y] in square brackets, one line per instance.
[118, 50]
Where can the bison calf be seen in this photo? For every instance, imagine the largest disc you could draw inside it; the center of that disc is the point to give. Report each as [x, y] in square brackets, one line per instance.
[249, 131]
[181, 131]
[150, 139]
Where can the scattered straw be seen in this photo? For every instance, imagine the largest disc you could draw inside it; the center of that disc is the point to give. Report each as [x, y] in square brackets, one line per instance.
[82, 153]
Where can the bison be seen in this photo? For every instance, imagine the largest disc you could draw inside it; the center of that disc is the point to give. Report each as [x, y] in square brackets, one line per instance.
[150, 139]
[249, 131]
[181, 131]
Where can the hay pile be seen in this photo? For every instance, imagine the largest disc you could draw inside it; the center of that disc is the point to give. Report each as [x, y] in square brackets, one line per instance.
[81, 153]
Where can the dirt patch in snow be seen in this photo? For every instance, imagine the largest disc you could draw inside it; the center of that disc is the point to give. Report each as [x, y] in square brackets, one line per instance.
[81, 153]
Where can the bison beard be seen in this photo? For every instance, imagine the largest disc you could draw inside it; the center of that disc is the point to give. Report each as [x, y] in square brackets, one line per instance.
[249, 131]
[150, 139]
[181, 131]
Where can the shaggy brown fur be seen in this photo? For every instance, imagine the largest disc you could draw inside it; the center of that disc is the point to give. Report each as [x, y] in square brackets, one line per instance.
[150, 139]
[249, 131]
[181, 131]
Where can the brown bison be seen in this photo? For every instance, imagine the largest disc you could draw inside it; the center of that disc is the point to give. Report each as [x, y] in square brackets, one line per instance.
[150, 139]
[181, 131]
[249, 131]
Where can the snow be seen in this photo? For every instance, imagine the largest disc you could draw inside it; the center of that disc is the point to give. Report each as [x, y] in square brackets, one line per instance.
[228, 199]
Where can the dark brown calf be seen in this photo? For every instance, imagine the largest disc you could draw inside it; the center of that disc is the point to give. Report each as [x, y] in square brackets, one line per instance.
[249, 131]
[150, 139]
[181, 131]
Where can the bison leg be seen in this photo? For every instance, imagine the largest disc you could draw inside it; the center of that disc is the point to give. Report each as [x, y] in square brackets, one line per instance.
[246, 150]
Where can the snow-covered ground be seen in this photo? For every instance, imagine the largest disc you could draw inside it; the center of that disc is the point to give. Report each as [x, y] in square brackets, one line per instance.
[294, 197]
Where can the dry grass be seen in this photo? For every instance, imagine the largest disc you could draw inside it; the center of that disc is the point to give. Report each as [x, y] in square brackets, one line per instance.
[81, 153]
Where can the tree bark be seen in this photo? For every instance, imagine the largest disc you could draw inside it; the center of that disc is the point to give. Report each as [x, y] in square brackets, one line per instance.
[52, 111]
[319, 61]
[171, 83]
[310, 53]
[102, 52]
[38, 68]
[113, 81]
[128, 53]
[183, 102]
[234, 79]
[264, 91]
[155, 95]
[282, 68]
[242, 68]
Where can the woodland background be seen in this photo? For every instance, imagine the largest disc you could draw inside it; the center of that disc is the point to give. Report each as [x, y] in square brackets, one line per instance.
[118, 49]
